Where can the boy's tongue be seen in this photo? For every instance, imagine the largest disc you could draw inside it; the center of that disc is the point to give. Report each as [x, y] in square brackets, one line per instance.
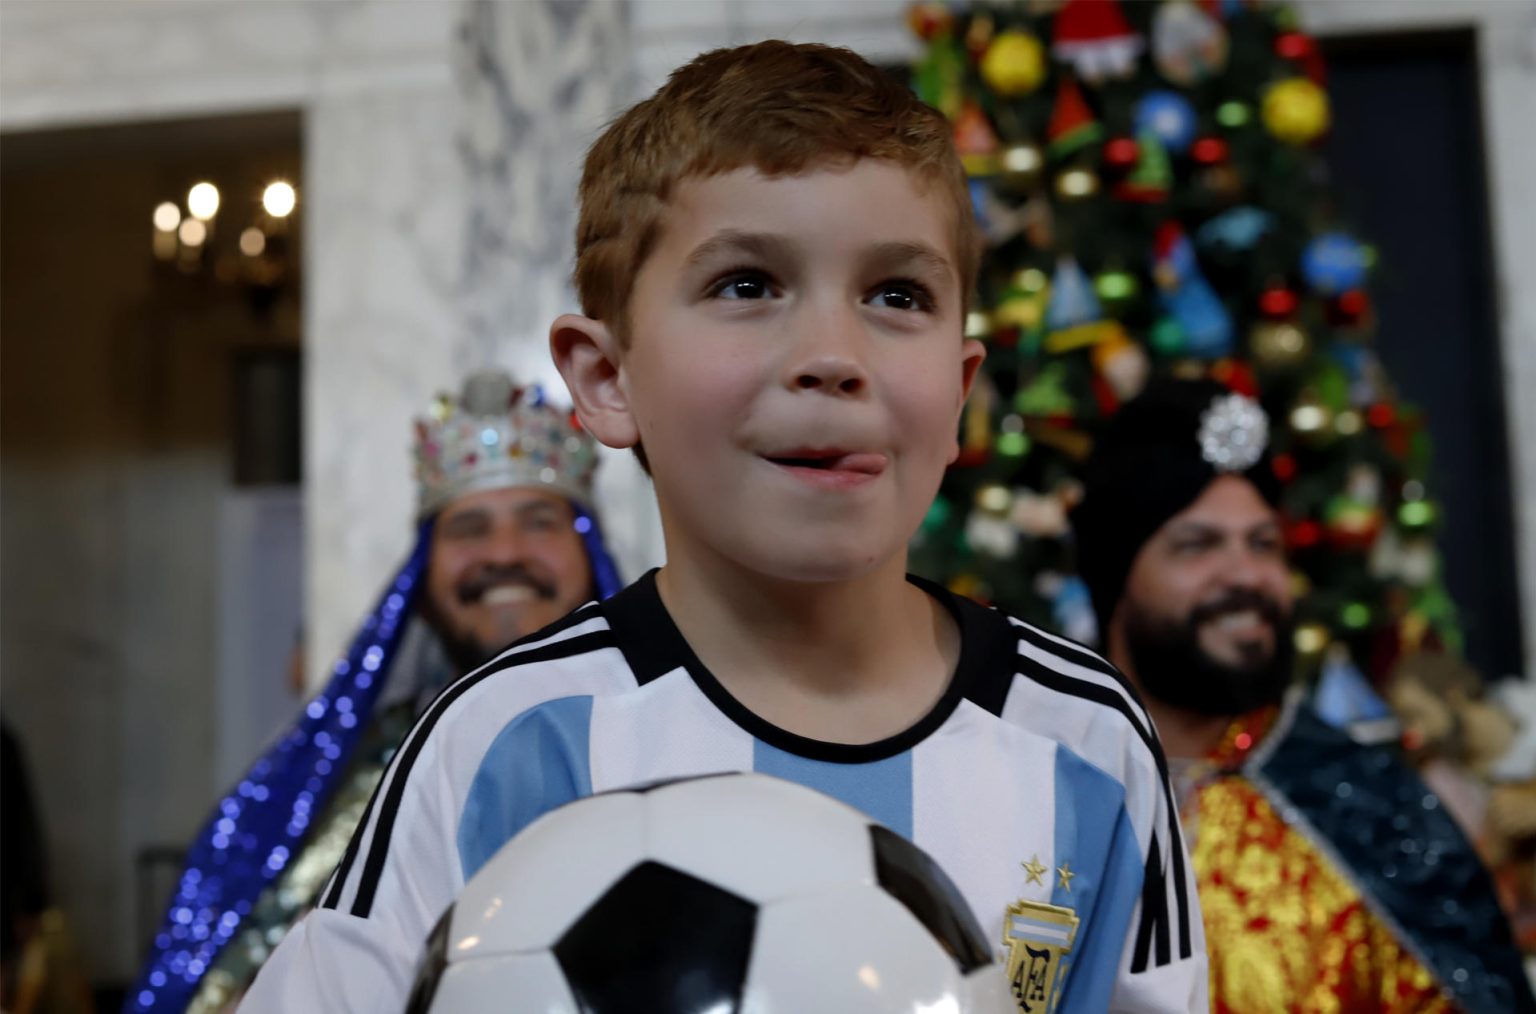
[862, 462]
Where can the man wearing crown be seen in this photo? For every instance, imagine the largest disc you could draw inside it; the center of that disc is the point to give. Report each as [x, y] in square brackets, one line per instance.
[1330, 878]
[506, 543]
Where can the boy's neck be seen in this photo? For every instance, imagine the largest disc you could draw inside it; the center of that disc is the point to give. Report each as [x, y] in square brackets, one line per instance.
[842, 661]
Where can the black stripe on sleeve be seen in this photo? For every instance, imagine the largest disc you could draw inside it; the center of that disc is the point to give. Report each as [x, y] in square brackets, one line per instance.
[344, 868]
[1071, 685]
[378, 849]
[1084, 657]
[1154, 914]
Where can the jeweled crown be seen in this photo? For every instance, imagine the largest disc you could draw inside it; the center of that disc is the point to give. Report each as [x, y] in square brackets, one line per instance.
[496, 435]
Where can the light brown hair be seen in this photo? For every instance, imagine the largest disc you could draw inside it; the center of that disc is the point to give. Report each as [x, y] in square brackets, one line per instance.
[776, 106]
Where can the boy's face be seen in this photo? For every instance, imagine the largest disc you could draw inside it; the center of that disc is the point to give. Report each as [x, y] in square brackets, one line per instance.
[795, 368]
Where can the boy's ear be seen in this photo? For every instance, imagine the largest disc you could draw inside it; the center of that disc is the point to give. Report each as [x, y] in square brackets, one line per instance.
[587, 355]
[972, 353]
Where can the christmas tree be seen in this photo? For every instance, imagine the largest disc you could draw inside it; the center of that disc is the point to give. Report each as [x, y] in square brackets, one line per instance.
[1148, 182]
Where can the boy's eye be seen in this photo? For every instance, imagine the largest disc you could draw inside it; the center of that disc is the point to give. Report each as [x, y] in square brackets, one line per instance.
[742, 285]
[901, 295]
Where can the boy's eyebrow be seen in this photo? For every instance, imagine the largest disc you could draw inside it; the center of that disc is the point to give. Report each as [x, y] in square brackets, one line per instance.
[921, 254]
[734, 242]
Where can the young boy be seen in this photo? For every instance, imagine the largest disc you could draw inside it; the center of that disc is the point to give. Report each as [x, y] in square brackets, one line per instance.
[773, 257]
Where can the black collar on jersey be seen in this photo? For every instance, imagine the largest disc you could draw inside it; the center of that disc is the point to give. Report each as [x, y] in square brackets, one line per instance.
[653, 646]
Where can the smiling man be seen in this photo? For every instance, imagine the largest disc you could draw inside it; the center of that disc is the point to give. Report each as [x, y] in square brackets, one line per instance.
[505, 544]
[506, 479]
[1330, 878]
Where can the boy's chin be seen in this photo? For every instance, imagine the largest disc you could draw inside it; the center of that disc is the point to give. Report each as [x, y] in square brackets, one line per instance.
[827, 561]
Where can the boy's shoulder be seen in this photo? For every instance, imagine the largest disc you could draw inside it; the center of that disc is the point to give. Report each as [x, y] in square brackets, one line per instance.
[575, 656]
[1054, 687]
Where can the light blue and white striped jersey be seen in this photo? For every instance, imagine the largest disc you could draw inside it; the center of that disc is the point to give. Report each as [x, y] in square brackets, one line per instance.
[1036, 782]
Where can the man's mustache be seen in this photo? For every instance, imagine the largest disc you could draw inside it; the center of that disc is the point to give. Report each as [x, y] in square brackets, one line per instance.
[473, 588]
[1238, 600]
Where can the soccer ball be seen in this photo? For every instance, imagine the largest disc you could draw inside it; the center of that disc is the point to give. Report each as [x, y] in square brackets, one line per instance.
[719, 894]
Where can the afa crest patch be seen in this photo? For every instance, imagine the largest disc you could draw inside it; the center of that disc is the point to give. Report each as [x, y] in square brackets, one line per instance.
[1039, 938]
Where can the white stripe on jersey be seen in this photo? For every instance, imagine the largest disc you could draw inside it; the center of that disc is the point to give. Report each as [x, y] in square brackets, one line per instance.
[520, 677]
[1119, 728]
[697, 739]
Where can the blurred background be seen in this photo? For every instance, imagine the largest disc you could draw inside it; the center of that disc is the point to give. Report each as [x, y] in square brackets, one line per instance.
[243, 244]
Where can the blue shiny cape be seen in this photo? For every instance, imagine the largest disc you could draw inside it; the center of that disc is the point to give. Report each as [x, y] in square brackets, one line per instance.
[1391, 837]
[261, 824]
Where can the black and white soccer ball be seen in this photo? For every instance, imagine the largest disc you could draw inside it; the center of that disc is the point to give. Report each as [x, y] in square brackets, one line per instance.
[720, 894]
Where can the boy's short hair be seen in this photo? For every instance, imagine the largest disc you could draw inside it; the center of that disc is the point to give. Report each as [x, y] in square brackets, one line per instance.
[776, 106]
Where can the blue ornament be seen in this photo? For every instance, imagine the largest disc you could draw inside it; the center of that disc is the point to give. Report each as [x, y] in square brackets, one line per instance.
[1333, 263]
[1073, 301]
[1168, 115]
[1189, 299]
[1346, 700]
[1239, 229]
[1072, 609]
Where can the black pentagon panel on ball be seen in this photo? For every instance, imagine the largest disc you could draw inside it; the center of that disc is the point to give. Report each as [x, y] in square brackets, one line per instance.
[909, 875]
[659, 941]
[434, 961]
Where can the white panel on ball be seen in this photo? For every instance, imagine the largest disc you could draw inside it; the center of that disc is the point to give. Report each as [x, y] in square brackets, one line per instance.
[481, 985]
[760, 838]
[515, 903]
[885, 961]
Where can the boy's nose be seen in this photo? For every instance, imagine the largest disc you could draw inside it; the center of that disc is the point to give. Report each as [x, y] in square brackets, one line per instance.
[831, 374]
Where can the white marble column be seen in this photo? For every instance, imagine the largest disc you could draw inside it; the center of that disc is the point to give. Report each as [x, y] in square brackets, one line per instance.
[442, 229]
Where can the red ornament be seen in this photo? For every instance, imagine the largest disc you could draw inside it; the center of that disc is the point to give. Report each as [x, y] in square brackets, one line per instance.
[1278, 303]
[1121, 152]
[928, 21]
[1304, 534]
[1209, 151]
[1237, 376]
[1293, 45]
[1381, 415]
[1284, 467]
[1302, 49]
[1352, 305]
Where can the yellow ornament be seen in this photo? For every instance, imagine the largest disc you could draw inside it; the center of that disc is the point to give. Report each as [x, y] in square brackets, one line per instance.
[1296, 110]
[1014, 64]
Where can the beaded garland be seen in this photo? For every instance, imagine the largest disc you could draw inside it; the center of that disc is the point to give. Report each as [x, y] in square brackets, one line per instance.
[258, 827]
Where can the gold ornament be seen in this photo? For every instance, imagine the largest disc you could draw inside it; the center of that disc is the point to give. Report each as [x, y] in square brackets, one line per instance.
[1014, 64]
[1076, 184]
[994, 499]
[1020, 165]
[1296, 110]
[1311, 640]
[1279, 344]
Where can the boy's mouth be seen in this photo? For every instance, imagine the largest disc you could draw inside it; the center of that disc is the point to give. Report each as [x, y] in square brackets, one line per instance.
[830, 465]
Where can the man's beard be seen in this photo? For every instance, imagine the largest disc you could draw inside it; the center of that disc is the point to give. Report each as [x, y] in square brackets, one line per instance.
[1173, 667]
[464, 649]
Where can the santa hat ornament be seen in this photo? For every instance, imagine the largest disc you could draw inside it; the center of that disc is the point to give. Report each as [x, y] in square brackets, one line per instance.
[1093, 36]
[1149, 182]
[976, 141]
[1072, 123]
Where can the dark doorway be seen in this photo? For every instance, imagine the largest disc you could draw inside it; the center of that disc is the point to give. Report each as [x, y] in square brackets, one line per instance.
[1409, 176]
